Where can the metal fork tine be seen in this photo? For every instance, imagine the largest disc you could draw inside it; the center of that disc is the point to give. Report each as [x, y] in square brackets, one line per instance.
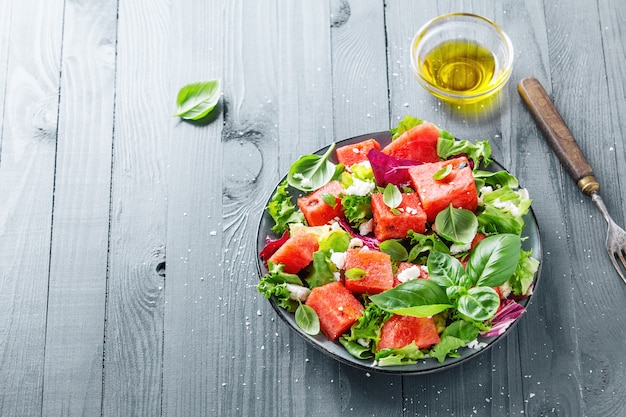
[619, 254]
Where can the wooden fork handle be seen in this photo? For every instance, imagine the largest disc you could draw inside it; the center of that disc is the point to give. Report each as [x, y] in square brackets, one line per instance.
[557, 134]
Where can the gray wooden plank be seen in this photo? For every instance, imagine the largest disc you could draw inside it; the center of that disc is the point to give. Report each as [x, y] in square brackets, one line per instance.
[133, 349]
[360, 105]
[78, 265]
[196, 340]
[31, 66]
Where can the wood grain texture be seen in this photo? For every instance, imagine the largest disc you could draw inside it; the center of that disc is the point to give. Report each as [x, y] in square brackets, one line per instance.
[196, 340]
[29, 130]
[133, 344]
[78, 265]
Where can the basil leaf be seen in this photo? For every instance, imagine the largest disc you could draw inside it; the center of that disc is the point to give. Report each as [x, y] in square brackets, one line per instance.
[494, 260]
[392, 196]
[196, 100]
[456, 225]
[442, 173]
[329, 199]
[355, 274]
[480, 303]
[336, 241]
[394, 249]
[423, 245]
[447, 146]
[445, 270]
[418, 297]
[307, 319]
[497, 179]
[311, 172]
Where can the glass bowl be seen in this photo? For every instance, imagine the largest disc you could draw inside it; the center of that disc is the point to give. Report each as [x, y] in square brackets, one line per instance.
[462, 58]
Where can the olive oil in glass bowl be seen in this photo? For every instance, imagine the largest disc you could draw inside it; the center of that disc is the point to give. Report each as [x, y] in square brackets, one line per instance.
[462, 58]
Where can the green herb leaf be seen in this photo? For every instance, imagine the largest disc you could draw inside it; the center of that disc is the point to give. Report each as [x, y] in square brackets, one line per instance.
[282, 210]
[307, 319]
[392, 197]
[405, 124]
[355, 274]
[329, 199]
[418, 297]
[442, 173]
[446, 270]
[311, 172]
[447, 146]
[198, 99]
[355, 349]
[319, 272]
[480, 303]
[357, 208]
[494, 260]
[394, 249]
[456, 225]
[423, 244]
[458, 334]
[406, 355]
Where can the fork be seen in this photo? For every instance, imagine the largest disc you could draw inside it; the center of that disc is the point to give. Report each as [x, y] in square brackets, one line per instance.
[562, 142]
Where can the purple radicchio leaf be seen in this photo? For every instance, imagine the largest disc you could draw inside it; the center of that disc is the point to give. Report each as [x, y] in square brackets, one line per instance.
[271, 246]
[508, 313]
[370, 242]
[388, 169]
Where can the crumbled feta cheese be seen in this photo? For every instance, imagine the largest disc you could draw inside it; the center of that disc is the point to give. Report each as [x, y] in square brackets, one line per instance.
[476, 345]
[482, 192]
[363, 342]
[339, 259]
[366, 227]
[355, 150]
[355, 243]
[306, 182]
[456, 248]
[410, 273]
[505, 289]
[411, 210]
[337, 275]
[298, 292]
[361, 188]
[507, 205]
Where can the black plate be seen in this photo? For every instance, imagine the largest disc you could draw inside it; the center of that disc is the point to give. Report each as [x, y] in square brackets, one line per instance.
[335, 349]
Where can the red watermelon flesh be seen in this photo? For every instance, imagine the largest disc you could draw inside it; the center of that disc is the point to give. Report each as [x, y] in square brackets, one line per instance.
[297, 251]
[458, 187]
[336, 308]
[409, 215]
[356, 153]
[377, 267]
[417, 144]
[399, 331]
[316, 211]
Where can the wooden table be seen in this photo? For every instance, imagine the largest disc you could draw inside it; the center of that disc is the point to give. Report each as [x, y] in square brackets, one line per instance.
[127, 236]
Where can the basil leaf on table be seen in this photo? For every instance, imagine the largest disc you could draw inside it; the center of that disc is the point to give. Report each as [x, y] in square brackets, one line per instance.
[494, 260]
[418, 297]
[311, 172]
[198, 99]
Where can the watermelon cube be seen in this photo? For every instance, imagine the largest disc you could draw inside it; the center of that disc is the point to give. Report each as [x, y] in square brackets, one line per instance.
[457, 188]
[355, 153]
[316, 211]
[378, 271]
[417, 144]
[399, 331]
[297, 251]
[395, 224]
[336, 307]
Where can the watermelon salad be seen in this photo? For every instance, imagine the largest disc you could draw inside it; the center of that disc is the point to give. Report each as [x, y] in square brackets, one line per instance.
[403, 252]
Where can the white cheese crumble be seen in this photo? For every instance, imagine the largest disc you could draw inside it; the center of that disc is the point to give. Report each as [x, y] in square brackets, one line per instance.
[507, 205]
[355, 243]
[339, 259]
[298, 292]
[476, 345]
[367, 227]
[456, 248]
[360, 188]
[363, 342]
[410, 273]
[505, 290]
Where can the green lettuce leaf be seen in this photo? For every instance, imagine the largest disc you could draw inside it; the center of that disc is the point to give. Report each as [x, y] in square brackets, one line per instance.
[282, 210]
